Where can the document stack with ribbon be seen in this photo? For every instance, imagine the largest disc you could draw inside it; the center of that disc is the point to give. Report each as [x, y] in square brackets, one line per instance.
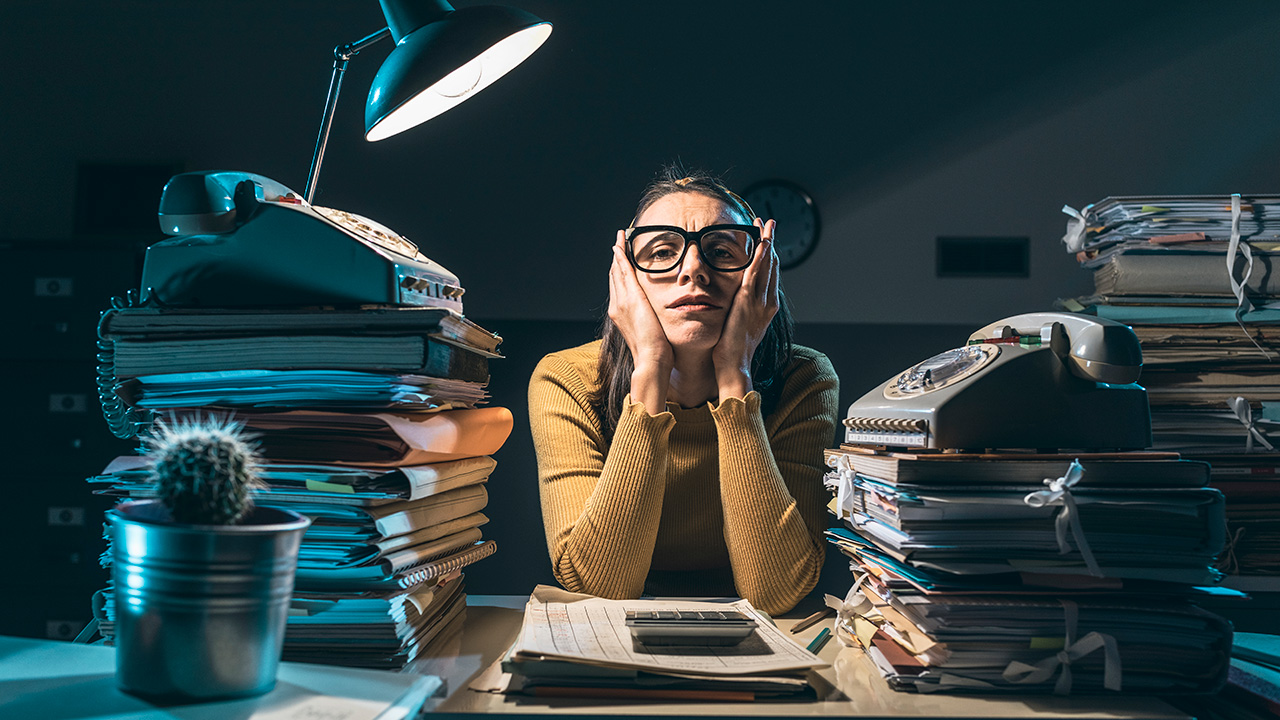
[1020, 572]
[367, 422]
[1196, 278]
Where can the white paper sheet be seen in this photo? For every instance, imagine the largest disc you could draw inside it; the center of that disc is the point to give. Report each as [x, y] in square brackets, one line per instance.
[582, 628]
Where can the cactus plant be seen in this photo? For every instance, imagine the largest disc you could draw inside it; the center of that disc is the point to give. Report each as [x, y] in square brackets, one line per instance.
[204, 470]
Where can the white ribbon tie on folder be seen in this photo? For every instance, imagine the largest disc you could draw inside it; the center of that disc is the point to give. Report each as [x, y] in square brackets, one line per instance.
[845, 489]
[1239, 286]
[855, 604]
[1072, 650]
[1234, 246]
[1074, 238]
[1244, 413]
[1059, 493]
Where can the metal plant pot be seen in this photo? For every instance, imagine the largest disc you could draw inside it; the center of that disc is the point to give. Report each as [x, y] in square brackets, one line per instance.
[201, 609]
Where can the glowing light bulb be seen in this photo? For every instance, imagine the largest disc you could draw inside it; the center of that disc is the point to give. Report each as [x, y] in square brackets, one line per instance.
[461, 81]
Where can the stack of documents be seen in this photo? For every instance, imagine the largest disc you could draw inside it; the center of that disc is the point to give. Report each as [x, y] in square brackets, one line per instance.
[573, 645]
[344, 389]
[1200, 226]
[376, 629]
[980, 573]
[1196, 278]
[1253, 684]
[423, 519]
[390, 464]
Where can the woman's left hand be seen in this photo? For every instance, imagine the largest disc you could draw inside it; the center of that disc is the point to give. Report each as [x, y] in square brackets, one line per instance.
[753, 307]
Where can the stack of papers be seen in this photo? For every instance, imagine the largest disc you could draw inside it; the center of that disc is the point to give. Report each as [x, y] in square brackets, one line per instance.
[1198, 279]
[1159, 223]
[330, 484]
[376, 541]
[391, 467]
[386, 629]
[1253, 684]
[980, 573]
[161, 324]
[573, 645]
[380, 439]
[1162, 534]
[301, 389]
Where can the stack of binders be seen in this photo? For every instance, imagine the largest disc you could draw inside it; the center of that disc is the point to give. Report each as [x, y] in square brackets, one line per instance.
[1017, 572]
[1196, 279]
[367, 422]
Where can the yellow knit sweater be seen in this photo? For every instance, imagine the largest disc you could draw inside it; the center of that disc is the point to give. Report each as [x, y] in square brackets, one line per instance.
[697, 489]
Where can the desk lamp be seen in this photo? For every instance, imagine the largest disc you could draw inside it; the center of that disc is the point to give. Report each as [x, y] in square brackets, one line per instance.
[442, 57]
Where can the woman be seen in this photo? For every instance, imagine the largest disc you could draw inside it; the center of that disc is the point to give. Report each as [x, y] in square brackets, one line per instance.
[681, 454]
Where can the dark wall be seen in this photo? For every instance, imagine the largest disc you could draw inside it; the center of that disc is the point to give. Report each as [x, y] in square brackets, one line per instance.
[906, 121]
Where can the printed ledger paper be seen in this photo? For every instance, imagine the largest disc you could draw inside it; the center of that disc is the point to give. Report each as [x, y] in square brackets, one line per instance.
[560, 625]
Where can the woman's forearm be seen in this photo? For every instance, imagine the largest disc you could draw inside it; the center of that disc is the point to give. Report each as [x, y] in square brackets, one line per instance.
[600, 515]
[771, 484]
[608, 548]
[649, 384]
[776, 559]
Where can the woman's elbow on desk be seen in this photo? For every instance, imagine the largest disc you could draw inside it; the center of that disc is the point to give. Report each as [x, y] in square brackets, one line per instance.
[575, 577]
[776, 593]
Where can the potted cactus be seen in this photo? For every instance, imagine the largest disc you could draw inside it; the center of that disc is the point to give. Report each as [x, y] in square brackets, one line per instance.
[202, 577]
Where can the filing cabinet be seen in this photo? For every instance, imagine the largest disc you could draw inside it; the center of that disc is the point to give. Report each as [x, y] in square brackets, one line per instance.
[55, 292]
[52, 433]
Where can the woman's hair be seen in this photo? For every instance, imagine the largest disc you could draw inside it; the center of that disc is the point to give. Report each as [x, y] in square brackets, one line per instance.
[613, 372]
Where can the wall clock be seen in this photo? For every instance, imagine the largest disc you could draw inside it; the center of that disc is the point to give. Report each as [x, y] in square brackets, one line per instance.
[795, 213]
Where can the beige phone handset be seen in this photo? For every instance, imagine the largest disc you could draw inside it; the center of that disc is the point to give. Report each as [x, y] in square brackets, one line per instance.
[1039, 380]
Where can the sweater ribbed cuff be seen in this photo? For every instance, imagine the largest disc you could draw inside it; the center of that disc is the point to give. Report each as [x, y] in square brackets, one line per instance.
[741, 410]
[639, 411]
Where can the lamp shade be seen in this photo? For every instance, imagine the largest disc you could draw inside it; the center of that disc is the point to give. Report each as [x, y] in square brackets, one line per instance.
[445, 61]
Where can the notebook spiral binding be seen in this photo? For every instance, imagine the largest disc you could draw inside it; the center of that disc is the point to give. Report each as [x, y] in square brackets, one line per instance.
[432, 569]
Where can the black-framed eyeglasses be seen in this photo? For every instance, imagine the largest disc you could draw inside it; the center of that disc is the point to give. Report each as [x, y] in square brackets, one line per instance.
[661, 248]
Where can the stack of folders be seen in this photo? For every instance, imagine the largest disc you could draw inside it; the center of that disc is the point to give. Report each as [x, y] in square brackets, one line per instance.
[1031, 573]
[367, 424]
[578, 646]
[1253, 684]
[1196, 278]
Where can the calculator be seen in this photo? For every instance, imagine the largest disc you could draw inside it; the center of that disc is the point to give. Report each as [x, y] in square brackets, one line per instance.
[704, 628]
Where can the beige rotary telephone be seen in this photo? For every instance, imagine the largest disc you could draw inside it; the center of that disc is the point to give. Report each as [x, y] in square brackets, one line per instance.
[1039, 380]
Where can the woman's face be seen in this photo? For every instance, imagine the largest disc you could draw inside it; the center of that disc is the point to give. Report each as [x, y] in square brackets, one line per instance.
[692, 300]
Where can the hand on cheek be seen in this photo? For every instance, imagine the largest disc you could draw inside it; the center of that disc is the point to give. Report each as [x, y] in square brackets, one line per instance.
[754, 305]
[631, 312]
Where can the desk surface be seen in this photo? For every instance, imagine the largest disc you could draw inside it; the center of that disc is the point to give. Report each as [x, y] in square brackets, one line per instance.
[50, 680]
[856, 688]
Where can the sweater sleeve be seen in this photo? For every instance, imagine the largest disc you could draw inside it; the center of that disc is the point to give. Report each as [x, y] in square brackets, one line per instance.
[600, 504]
[771, 485]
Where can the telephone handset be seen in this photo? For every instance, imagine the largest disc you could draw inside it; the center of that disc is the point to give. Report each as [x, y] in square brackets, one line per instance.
[247, 240]
[1094, 348]
[1039, 380]
[217, 202]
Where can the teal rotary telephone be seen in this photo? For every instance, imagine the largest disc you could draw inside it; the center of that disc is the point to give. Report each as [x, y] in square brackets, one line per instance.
[246, 240]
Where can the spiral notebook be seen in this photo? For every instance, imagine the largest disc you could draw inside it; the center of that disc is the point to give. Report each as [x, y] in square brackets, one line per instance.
[380, 576]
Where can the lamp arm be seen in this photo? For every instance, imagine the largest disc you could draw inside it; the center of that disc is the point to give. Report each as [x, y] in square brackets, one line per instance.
[342, 54]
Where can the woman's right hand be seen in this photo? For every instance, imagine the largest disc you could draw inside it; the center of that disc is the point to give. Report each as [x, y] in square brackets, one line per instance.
[630, 311]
